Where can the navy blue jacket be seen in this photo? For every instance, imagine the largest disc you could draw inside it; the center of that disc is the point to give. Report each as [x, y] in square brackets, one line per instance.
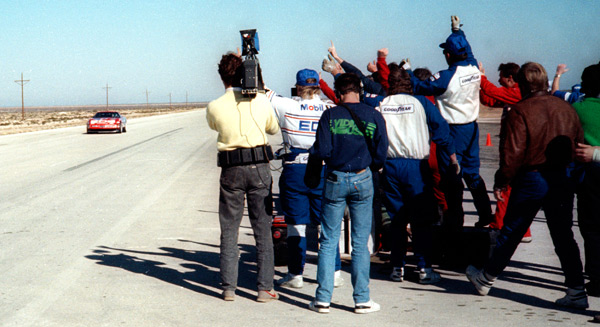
[369, 85]
[342, 146]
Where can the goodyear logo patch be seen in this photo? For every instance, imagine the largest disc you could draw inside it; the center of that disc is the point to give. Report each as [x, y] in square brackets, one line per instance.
[400, 109]
[469, 79]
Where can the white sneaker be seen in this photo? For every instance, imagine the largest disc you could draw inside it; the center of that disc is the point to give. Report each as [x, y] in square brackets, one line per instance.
[367, 307]
[338, 280]
[397, 274]
[479, 280]
[574, 299]
[319, 307]
[428, 276]
[289, 280]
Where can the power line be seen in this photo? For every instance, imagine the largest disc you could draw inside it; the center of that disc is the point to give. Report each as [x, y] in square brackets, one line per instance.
[22, 82]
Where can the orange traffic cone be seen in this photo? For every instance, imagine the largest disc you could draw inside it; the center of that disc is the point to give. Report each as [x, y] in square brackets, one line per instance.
[488, 142]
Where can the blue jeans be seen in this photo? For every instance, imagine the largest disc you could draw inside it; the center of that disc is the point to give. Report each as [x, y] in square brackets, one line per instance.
[552, 190]
[356, 191]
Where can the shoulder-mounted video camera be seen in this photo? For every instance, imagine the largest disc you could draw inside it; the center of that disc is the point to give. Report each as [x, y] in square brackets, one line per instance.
[252, 82]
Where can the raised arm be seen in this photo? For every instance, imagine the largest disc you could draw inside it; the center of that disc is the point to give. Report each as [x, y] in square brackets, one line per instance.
[382, 68]
[456, 25]
[369, 85]
[560, 69]
[329, 93]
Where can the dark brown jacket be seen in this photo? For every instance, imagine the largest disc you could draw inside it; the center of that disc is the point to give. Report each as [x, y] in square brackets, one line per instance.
[540, 130]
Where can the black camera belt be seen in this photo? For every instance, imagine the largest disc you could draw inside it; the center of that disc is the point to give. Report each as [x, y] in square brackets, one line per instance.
[245, 156]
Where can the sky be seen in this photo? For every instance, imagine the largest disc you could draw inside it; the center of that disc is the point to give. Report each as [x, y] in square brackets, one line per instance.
[70, 50]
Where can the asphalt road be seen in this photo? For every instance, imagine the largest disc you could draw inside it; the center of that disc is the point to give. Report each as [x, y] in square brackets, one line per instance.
[122, 230]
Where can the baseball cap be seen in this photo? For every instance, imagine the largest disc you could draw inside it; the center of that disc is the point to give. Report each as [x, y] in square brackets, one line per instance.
[305, 74]
[455, 44]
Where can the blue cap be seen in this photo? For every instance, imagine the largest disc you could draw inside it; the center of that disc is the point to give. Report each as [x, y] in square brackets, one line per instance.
[455, 44]
[303, 75]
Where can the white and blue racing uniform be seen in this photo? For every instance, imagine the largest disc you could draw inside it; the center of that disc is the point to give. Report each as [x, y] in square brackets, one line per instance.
[298, 119]
[456, 91]
[412, 122]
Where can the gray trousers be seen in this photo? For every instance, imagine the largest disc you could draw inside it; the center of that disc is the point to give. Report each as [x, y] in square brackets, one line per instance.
[253, 183]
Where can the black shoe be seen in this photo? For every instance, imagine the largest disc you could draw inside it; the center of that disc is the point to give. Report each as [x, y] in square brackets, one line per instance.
[484, 221]
[593, 288]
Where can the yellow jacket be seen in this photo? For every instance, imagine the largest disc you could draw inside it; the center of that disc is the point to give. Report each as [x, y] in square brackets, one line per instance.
[241, 122]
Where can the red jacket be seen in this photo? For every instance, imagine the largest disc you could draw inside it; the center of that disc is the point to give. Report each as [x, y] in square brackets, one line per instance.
[329, 93]
[384, 72]
[494, 96]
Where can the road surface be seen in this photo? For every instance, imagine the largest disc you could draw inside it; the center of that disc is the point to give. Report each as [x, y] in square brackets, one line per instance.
[122, 230]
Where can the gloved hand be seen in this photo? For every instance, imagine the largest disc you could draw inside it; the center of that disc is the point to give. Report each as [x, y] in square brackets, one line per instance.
[454, 165]
[372, 67]
[406, 64]
[328, 64]
[455, 23]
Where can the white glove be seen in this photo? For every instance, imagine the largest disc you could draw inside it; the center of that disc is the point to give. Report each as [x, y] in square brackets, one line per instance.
[456, 167]
[406, 64]
[328, 64]
[455, 23]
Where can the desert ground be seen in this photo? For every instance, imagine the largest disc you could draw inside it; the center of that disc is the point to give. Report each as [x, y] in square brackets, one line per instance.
[43, 118]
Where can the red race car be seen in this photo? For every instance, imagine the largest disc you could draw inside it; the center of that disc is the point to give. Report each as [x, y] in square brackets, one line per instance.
[107, 121]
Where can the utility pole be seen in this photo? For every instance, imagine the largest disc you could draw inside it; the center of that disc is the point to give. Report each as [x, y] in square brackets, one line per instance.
[22, 82]
[170, 105]
[147, 103]
[186, 99]
[106, 88]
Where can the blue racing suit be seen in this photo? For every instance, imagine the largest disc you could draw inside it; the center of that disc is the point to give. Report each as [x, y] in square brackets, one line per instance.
[412, 122]
[456, 91]
[571, 97]
[298, 119]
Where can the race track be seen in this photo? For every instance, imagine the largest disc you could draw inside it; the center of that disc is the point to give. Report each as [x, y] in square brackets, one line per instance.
[65, 193]
[122, 230]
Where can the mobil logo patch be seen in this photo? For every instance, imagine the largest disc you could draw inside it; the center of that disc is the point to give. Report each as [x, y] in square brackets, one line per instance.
[312, 107]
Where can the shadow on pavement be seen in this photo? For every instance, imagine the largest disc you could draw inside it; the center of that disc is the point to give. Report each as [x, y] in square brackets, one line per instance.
[451, 285]
[204, 275]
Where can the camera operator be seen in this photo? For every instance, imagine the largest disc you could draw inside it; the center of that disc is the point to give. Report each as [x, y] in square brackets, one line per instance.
[242, 123]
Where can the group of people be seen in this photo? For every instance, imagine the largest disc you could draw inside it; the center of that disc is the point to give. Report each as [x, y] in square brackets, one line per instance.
[386, 132]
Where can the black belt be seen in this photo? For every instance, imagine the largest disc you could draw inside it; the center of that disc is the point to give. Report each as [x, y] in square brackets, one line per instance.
[245, 156]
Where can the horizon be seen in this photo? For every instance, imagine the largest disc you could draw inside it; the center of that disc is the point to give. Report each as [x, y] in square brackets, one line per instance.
[70, 51]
